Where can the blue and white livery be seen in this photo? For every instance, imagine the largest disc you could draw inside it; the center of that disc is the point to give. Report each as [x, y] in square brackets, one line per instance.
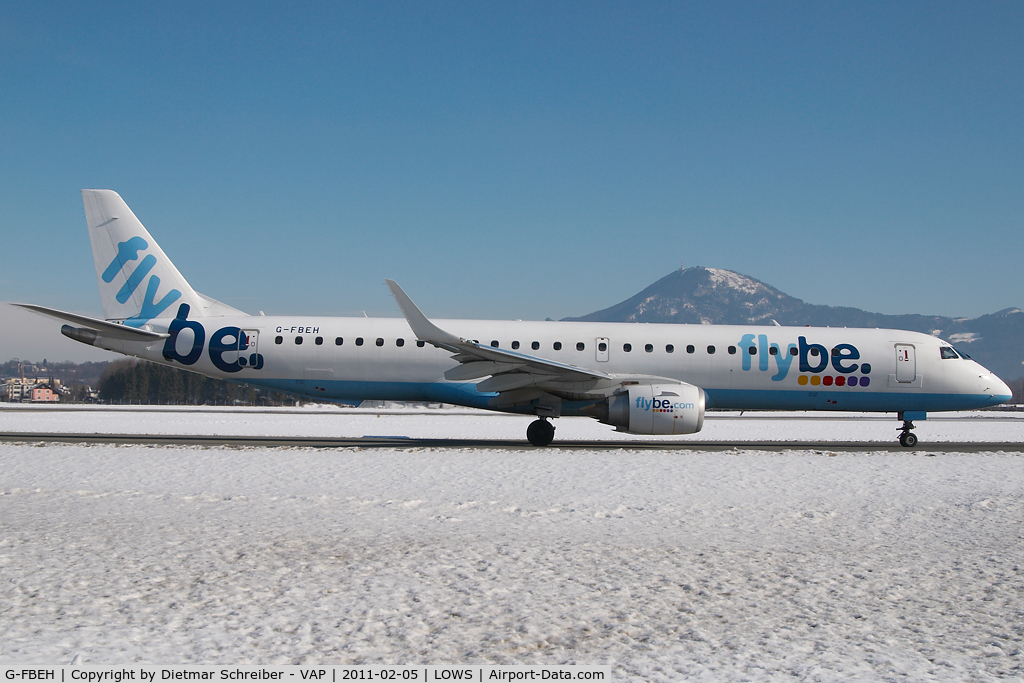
[639, 378]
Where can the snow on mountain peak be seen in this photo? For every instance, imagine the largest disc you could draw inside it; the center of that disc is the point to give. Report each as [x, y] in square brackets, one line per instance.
[734, 280]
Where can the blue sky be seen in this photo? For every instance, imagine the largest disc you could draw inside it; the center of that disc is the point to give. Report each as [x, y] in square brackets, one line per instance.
[517, 160]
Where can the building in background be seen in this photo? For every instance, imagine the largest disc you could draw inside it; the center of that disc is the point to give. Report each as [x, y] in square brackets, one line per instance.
[33, 390]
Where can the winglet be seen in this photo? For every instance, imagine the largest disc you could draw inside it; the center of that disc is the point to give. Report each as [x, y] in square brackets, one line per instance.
[421, 327]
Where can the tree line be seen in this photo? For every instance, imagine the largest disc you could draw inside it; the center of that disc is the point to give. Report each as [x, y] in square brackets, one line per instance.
[1017, 387]
[133, 381]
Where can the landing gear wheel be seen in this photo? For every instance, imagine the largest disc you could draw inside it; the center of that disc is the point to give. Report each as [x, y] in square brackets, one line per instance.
[540, 432]
[907, 438]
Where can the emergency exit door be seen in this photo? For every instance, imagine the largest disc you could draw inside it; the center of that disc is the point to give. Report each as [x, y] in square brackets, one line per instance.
[906, 363]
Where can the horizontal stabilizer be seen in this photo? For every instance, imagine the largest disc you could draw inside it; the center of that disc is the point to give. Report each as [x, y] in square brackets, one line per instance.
[104, 328]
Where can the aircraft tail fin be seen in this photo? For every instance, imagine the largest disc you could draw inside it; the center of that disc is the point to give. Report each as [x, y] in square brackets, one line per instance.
[137, 281]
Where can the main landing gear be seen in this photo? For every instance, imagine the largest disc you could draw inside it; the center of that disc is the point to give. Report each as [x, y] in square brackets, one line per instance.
[540, 432]
[907, 438]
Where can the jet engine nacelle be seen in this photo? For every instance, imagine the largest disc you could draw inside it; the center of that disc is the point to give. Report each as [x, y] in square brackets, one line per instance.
[657, 409]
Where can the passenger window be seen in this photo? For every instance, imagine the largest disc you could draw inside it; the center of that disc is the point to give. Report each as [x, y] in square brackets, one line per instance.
[380, 341]
[732, 350]
[773, 351]
[835, 351]
[515, 345]
[319, 341]
[359, 341]
[602, 347]
[627, 347]
[535, 346]
[580, 346]
[793, 351]
[752, 350]
[399, 342]
[669, 348]
[557, 346]
[278, 340]
[711, 350]
[494, 343]
[648, 347]
[338, 341]
[298, 340]
[815, 352]
[947, 352]
[689, 348]
[420, 343]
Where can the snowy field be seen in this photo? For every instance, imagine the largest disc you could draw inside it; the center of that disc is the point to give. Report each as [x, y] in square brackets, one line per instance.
[464, 423]
[665, 565]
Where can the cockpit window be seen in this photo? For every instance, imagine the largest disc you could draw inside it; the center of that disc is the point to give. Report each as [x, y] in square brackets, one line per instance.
[963, 355]
[947, 352]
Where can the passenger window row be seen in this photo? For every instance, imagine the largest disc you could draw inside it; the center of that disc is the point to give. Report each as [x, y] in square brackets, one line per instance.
[603, 347]
[338, 341]
[557, 346]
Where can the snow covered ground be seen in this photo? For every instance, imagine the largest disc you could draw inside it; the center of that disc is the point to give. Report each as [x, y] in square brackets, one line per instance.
[465, 423]
[734, 566]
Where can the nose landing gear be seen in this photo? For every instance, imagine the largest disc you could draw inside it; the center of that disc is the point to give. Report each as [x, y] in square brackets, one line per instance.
[907, 438]
[540, 432]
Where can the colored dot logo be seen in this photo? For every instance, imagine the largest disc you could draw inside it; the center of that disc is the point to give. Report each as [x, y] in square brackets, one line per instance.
[829, 380]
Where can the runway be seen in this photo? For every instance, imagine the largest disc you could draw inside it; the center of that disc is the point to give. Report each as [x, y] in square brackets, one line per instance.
[422, 427]
[391, 442]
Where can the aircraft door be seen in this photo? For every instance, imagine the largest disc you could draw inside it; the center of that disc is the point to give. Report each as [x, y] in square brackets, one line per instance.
[602, 349]
[906, 363]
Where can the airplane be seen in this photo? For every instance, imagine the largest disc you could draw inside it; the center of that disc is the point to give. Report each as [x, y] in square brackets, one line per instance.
[654, 379]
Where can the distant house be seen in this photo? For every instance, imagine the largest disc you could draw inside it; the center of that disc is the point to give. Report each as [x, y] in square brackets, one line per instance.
[43, 395]
[37, 390]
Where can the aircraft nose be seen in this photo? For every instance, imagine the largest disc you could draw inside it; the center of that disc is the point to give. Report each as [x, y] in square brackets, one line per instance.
[996, 387]
[1003, 389]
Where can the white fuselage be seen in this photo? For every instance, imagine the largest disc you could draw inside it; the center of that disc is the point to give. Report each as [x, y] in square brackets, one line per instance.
[739, 367]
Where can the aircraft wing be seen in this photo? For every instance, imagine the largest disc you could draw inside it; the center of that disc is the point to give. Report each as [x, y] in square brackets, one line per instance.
[106, 329]
[508, 370]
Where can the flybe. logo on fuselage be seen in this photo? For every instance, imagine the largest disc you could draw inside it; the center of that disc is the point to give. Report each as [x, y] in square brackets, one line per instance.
[127, 252]
[226, 348]
[815, 362]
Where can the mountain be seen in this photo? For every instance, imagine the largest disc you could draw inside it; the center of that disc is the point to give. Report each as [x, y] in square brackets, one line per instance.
[718, 296]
